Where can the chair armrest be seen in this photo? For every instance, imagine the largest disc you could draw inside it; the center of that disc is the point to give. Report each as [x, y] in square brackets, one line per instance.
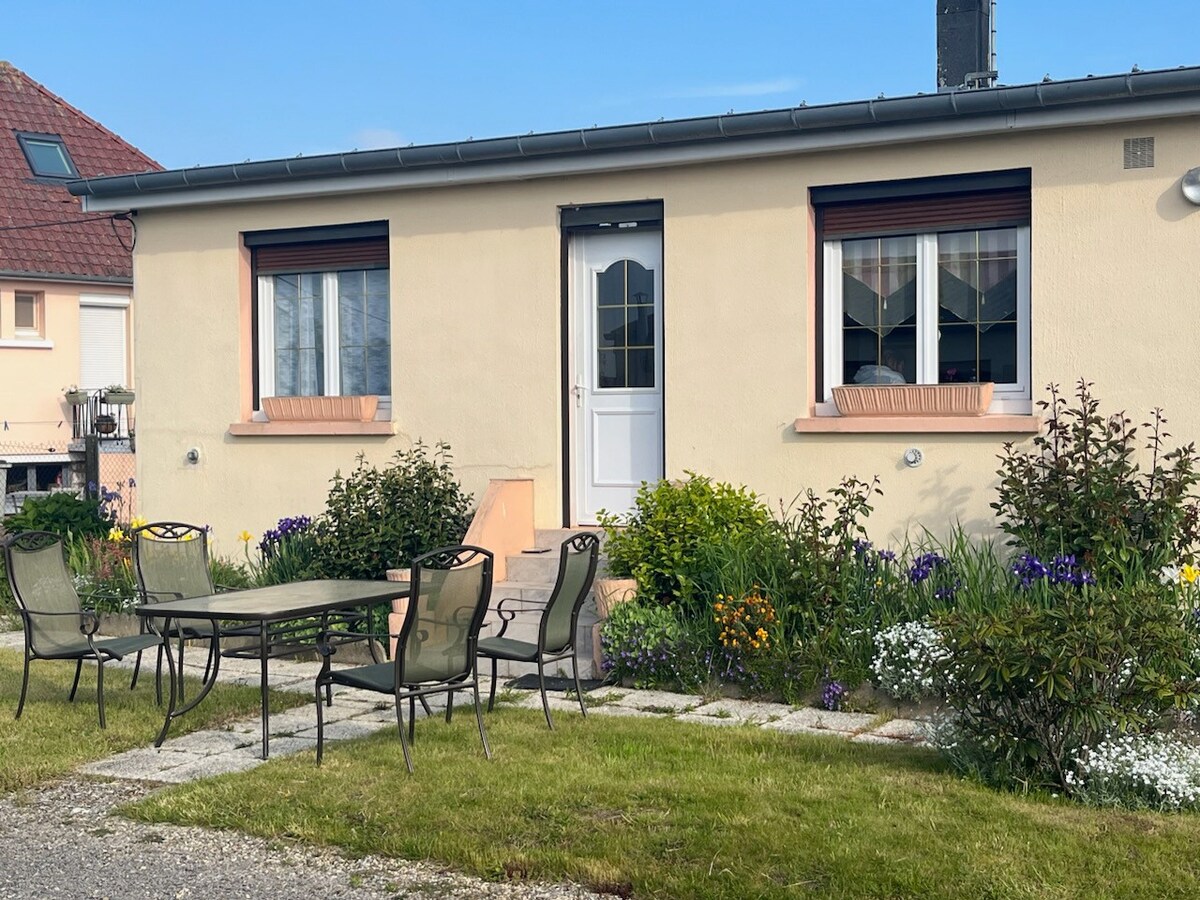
[226, 588]
[87, 617]
[163, 595]
[507, 615]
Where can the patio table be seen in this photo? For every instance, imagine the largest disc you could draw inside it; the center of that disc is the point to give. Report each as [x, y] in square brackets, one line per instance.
[263, 607]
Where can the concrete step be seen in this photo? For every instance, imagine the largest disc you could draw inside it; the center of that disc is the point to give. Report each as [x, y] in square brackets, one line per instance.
[553, 537]
[533, 568]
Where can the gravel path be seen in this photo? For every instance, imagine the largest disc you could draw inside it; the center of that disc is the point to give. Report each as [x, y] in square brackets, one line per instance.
[59, 841]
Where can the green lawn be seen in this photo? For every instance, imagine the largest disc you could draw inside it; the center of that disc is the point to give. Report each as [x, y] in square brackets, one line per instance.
[669, 809]
[53, 737]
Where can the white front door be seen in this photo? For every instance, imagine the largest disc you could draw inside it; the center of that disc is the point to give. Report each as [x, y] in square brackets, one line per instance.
[103, 347]
[618, 408]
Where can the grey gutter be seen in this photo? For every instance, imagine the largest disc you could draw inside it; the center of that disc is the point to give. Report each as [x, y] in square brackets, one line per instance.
[917, 116]
[17, 275]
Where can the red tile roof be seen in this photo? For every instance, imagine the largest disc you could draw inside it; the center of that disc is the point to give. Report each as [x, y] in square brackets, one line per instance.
[96, 248]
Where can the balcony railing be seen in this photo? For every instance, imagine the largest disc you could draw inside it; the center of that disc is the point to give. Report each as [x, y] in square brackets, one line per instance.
[93, 413]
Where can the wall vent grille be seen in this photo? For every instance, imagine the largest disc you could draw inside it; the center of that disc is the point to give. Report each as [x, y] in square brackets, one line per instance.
[1139, 153]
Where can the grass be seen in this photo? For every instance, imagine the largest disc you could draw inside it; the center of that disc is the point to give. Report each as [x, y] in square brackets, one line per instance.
[53, 737]
[651, 808]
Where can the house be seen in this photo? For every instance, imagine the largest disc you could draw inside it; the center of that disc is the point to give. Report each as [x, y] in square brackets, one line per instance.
[593, 308]
[65, 290]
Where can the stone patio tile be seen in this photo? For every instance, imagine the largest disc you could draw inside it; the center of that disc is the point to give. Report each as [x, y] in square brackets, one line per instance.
[206, 743]
[869, 737]
[616, 709]
[903, 730]
[827, 720]
[710, 720]
[142, 764]
[658, 700]
[558, 703]
[745, 710]
[341, 731]
[211, 766]
[790, 725]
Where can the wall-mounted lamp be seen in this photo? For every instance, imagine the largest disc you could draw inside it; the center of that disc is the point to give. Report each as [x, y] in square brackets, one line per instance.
[1191, 186]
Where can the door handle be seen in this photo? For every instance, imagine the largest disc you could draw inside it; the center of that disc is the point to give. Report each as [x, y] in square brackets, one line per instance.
[578, 390]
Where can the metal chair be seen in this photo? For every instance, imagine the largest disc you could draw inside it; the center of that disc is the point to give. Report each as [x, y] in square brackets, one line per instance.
[559, 620]
[170, 562]
[55, 622]
[436, 646]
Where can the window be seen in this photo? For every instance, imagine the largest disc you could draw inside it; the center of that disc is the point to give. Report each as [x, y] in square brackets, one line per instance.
[323, 312]
[28, 315]
[928, 290]
[47, 156]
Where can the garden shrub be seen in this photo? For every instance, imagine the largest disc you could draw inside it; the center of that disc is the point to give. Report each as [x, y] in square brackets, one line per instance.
[286, 553]
[1082, 491]
[1062, 668]
[63, 513]
[380, 518]
[103, 570]
[648, 643]
[907, 657]
[1154, 771]
[659, 542]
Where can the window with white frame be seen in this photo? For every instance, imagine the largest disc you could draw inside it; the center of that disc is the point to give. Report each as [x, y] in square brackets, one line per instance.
[323, 312]
[942, 303]
[28, 315]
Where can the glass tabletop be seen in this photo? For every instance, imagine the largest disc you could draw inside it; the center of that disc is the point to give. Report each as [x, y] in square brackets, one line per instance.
[279, 601]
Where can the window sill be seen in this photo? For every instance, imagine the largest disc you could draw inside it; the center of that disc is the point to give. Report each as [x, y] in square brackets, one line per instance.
[283, 429]
[30, 343]
[995, 424]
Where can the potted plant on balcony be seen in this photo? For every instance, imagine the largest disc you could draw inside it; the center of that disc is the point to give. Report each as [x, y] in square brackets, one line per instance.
[118, 395]
[105, 424]
[75, 396]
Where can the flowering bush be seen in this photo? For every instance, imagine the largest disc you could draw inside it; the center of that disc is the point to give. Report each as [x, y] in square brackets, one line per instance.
[744, 623]
[833, 695]
[1157, 770]
[647, 643]
[907, 658]
[1063, 569]
[286, 552]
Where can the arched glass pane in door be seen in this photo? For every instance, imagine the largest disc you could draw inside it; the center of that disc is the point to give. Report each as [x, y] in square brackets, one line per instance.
[625, 326]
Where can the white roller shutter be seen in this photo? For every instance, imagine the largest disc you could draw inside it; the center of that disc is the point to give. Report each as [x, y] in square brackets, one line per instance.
[103, 353]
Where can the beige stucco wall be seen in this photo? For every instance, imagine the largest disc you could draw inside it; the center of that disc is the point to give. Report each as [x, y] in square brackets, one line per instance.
[33, 375]
[475, 280]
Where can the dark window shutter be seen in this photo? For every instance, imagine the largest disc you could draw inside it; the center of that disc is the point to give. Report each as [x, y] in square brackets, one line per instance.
[937, 213]
[324, 256]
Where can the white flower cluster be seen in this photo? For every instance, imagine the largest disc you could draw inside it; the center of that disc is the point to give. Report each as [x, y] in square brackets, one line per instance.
[906, 658]
[1157, 770]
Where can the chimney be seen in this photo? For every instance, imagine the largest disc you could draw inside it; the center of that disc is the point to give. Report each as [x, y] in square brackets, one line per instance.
[966, 53]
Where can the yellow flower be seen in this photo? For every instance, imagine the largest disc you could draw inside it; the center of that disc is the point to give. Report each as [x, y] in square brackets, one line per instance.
[245, 537]
[116, 534]
[137, 522]
[190, 536]
[1189, 573]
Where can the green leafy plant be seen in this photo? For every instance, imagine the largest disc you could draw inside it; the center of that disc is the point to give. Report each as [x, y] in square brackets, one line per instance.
[380, 518]
[660, 542]
[63, 513]
[1034, 683]
[650, 644]
[1082, 489]
[103, 572]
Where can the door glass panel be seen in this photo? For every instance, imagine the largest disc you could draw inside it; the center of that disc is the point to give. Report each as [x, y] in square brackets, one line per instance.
[625, 338]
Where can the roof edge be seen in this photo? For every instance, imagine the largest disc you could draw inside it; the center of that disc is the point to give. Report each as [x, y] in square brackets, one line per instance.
[920, 115]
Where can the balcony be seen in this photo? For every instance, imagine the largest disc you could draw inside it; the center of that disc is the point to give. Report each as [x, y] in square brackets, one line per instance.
[101, 413]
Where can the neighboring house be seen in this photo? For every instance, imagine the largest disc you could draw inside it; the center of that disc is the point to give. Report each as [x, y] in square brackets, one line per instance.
[597, 307]
[65, 287]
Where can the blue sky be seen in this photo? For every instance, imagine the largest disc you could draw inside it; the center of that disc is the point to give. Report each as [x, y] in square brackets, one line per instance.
[215, 81]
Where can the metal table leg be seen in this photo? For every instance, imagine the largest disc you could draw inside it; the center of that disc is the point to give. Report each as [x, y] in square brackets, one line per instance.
[266, 713]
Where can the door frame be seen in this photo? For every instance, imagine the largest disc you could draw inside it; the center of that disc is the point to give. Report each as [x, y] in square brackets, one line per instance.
[576, 221]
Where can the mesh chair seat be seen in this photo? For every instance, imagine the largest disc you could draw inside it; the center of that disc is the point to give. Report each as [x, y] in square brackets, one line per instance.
[508, 648]
[381, 677]
[110, 648]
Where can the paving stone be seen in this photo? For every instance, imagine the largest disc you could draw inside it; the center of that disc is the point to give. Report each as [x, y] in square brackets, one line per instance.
[211, 766]
[616, 709]
[903, 730]
[206, 743]
[744, 710]
[658, 700]
[711, 720]
[825, 719]
[534, 701]
[142, 764]
[872, 738]
[342, 731]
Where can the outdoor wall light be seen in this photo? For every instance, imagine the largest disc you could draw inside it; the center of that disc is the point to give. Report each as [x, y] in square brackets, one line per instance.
[1191, 186]
[193, 455]
[913, 457]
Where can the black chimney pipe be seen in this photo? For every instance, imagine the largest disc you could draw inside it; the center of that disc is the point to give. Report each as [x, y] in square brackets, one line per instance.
[965, 53]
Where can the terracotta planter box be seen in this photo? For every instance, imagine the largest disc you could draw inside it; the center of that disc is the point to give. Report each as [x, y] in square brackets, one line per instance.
[320, 409]
[913, 399]
[612, 591]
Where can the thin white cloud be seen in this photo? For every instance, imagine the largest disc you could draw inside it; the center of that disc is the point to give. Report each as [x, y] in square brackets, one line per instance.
[736, 89]
[377, 139]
